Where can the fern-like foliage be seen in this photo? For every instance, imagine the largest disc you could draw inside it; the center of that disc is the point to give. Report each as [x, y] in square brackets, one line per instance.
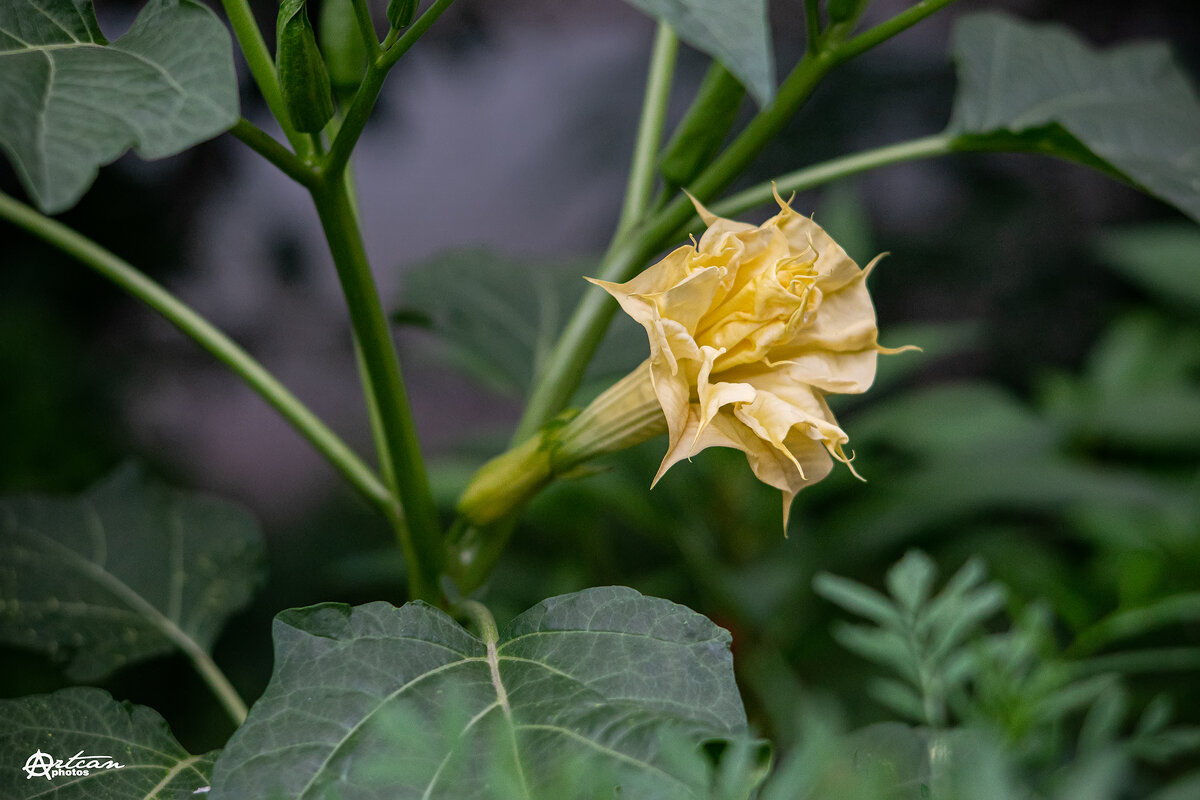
[999, 714]
[922, 637]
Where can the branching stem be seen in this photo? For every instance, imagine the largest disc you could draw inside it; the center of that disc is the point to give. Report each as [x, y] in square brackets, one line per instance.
[136, 283]
[886, 30]
[262, 68]
[261, 142]
[368, 91]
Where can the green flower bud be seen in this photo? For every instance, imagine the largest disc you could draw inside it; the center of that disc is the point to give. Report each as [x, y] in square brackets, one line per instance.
[842, 10]
[703, 129]
[400, 13]
[342, 44]
[302, 73]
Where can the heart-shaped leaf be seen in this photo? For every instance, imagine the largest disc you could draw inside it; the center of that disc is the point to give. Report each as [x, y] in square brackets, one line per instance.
[577, 696]
[1040, 87]
[125, 572]
[71, 102]
[109, 750]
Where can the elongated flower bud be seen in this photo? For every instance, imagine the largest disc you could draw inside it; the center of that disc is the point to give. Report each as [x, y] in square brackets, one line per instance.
[342, 43]
[400, 13]
[302, 73]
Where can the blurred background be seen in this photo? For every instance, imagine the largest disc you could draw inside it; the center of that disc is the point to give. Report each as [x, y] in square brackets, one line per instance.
[1051, 425]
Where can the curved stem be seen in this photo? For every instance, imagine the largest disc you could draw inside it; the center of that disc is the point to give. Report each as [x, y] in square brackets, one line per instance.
[886, 30]
[567, 362]
[420, 538]
[262, 68]
[478, 613]
[809, 177]
[649, 136]
[233, 703]
[1174, 610]
[368, 91]
[261, 142]
[207, 336]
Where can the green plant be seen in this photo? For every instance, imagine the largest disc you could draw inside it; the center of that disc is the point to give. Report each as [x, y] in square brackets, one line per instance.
[608, 691]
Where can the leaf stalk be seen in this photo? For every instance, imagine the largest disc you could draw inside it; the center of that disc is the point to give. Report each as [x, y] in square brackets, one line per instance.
[205, 334]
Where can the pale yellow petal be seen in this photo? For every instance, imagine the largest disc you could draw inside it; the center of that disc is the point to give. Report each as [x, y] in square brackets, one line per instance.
[748, 329]
[705, 215]
[674, 394]
[715, 396]
[840, 373]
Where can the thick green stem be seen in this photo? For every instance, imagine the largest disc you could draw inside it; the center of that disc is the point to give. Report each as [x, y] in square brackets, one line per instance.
[376, 420]
[366, 29]
[207, 336]
[420, 539]
[261, 142]
[262, 68]
[368, 91]
[812, 25]
[886, 30]
[649, 136]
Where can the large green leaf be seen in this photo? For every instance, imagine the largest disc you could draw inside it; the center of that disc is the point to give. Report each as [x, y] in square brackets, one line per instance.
[70, 101]
[734, 32]
[1040, 87]
[578, 695]
[500, 316]
[41, 728]
[125, 572]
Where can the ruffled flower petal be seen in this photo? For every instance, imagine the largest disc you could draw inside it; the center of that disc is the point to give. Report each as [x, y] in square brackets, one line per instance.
[749, 328]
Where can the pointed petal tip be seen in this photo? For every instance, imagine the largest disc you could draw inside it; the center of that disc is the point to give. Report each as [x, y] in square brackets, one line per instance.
[706, 215]
[870, 267]
[788, 497]
[784, 205]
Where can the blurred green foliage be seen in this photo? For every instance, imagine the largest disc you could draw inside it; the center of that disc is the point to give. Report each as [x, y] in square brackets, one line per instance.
[1050, 441]
[1079, 490]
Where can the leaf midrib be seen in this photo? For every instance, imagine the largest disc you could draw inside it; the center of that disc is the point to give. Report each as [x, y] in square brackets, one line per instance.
[492, 658]
[384, 701]
[115, 586]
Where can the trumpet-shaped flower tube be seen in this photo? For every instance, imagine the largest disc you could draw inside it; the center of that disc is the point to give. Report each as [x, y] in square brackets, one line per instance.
[749, 329]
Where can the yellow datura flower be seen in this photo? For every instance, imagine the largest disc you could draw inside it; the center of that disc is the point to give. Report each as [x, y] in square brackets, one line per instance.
[749, 329]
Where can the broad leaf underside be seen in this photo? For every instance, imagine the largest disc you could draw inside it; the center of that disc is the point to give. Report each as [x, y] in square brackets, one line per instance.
[376, 701]
[1131, 105]
[127, 571]
[154, 766]
[71, 102]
